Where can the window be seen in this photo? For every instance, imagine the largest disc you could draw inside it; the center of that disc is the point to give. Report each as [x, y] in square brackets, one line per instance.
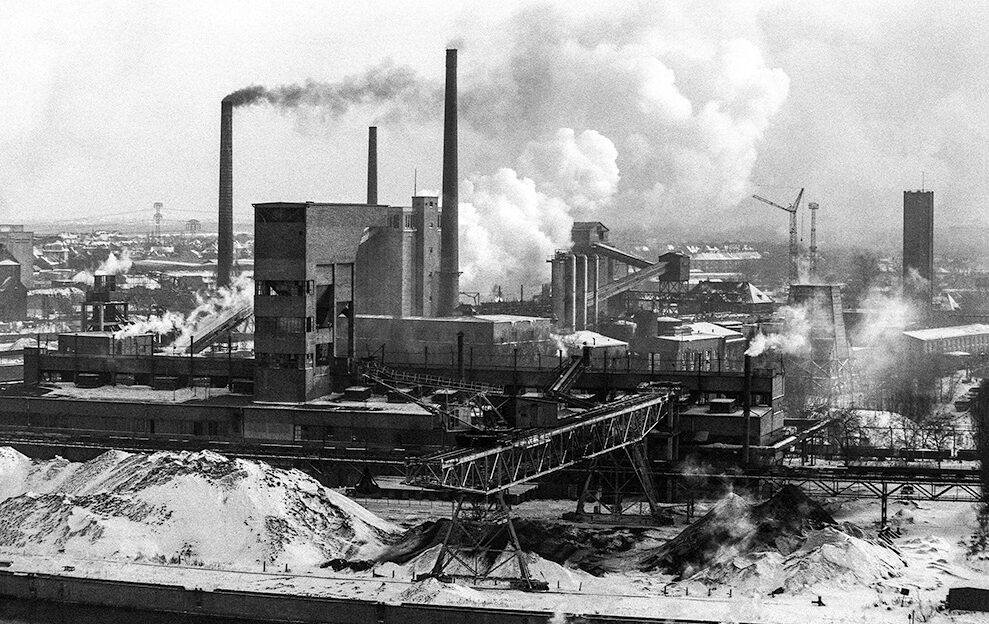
[283, 288]
[324, 307]
[409, 222]
[281, 214]
[281, 324]
[324, 354]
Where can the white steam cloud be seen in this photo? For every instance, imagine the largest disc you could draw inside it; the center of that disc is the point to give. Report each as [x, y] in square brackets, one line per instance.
[511, 223]
[508, 229]
[671, 113]
[794, 335]
[239, 295]
[113, 265]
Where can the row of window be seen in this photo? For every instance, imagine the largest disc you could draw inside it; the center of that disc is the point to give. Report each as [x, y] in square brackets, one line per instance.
[149, 426]
[284, 324]
[397, 221]
[284, 288]
[957, 344]
[295, 361]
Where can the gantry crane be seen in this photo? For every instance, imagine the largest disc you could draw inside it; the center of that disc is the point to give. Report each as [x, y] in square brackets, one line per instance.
[792, 209]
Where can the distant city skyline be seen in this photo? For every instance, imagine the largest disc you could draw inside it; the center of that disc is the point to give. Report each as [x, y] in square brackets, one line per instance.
[655, 118]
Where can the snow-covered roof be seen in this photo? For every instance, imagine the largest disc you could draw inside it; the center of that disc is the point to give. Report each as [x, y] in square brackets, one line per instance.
[941, 333]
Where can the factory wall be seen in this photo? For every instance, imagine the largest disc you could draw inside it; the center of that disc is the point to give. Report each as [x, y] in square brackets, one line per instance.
[309, 261]
[484, 336]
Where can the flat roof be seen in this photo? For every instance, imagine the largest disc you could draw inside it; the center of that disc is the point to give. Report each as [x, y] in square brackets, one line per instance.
[940, 333]
[478, 318]
[689, 337]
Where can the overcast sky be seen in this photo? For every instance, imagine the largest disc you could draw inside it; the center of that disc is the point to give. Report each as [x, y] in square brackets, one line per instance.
[661, 115]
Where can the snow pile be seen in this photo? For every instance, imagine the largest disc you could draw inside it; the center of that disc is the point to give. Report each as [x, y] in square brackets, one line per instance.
[827, 556]
[432, 590]
[736, 526]
[200, 508]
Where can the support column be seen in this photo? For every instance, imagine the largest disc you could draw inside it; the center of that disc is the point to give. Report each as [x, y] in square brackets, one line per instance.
[580, 292]
[593, 277]
[558, 286]
[570, 290]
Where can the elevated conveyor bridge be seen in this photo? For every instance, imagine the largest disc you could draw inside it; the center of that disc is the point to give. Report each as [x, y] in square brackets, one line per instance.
[527, 456]
[212, 330]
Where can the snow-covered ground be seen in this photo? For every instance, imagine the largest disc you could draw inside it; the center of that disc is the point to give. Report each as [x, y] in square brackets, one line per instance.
[130, 516]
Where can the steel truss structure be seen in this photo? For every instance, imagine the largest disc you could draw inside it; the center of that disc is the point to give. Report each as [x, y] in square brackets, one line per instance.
[374, 368]
[821, 384]
[481, 543]
[954, 486]
[608, 481]
[517, 460]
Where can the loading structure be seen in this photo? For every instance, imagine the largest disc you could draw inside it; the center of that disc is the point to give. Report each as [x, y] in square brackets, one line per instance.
[480, 479]
[594, 280]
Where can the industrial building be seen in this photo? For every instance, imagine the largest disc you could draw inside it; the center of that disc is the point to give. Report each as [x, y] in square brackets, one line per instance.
[359, 341]
[961, 340]
[594, 280]
[20, 244]
[595, 283]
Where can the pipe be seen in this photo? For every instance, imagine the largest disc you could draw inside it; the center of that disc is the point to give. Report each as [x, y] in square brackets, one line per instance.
[224, 243]
[372, 166]
[747, 409]
[449, 286]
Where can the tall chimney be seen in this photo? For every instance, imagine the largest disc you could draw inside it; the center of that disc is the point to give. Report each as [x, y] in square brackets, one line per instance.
[372, 166]
[449, 282]
[225, 242]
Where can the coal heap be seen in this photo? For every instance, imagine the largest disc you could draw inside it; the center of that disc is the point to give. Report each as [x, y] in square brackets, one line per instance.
[735, 526]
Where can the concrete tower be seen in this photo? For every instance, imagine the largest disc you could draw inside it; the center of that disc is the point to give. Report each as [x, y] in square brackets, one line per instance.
[918, 247]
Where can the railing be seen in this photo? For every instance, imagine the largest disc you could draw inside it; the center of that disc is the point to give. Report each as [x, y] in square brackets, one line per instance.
[374, 368]
[525, 361]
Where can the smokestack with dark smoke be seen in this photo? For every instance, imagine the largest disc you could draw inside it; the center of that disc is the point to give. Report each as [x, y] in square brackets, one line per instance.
[224, 244]
[449, 291]
[372, 166]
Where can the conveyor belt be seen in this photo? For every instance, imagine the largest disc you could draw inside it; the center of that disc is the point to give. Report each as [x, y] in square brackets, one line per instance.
[528, 456]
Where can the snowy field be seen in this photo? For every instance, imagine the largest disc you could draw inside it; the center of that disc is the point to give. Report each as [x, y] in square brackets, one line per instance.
[204, 521]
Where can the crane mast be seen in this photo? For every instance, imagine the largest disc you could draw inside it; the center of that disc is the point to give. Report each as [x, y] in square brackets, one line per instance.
[813, 207]
[792, 209]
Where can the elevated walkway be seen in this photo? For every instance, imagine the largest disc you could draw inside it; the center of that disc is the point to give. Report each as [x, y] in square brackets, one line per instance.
[617, 254]
[213, 329]
[631, 281]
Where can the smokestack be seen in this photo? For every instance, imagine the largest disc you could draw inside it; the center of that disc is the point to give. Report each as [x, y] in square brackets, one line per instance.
[747, 410]
[225, 240]
[449, 286]
[372, 166]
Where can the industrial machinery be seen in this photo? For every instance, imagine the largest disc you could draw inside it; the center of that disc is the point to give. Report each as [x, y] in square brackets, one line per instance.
[480, 479]
[792, 209]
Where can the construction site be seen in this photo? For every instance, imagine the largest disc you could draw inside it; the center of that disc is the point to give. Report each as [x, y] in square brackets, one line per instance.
[642, 401]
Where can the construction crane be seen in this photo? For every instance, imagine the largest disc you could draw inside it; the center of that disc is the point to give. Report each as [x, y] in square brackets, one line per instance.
[792, 209]
[813, 207]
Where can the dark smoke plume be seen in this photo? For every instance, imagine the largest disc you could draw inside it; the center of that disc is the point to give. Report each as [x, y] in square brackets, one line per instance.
[384, 83]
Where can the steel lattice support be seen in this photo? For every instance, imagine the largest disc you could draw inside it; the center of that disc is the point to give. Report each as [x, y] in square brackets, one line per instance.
[599, 431]
[481, 543]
